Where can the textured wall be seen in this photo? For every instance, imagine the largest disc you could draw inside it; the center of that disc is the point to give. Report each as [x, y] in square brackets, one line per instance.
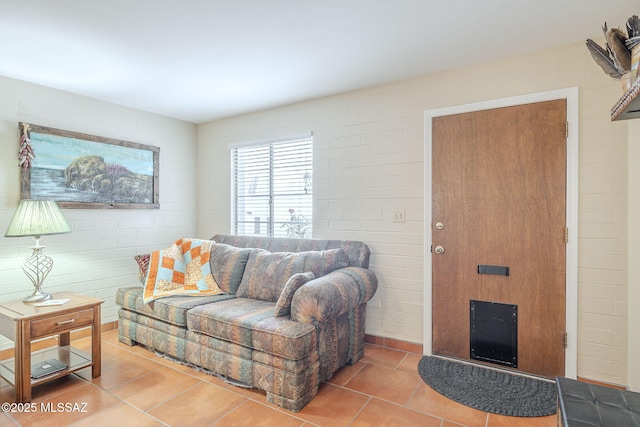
[634, 255]
[96, 257]
[369, 161]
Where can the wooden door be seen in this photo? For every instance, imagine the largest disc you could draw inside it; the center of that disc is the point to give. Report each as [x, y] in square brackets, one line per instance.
[499, 192]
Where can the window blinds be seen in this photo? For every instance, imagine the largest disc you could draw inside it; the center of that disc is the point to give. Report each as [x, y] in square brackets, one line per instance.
[272, 188]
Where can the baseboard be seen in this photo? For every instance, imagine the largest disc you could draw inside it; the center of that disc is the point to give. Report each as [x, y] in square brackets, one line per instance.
[390, 343]
[602, 383]
[393, 343]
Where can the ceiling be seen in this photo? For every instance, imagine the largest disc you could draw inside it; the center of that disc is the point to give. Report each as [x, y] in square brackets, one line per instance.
[200, 60]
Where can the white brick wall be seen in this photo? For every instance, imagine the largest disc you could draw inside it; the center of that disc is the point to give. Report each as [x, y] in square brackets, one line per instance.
[634, 256]
[96, 257]
[369, 160]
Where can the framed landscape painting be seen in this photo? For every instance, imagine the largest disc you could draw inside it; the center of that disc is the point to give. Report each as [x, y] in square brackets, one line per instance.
[86, 171]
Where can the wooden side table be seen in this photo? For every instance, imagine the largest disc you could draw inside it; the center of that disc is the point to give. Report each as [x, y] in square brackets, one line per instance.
[23, 322]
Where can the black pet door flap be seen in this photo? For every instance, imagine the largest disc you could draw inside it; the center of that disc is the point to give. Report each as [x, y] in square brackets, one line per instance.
[494, 332]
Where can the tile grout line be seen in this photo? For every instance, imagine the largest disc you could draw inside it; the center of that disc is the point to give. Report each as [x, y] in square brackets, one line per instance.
[201, 381]
[360, 411]
[369, 400]
[152, 357]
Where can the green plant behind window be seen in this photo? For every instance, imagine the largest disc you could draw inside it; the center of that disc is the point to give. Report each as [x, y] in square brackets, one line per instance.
[298, 226]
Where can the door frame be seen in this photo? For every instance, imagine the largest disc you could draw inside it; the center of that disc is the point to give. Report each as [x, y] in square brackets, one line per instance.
[571, 309]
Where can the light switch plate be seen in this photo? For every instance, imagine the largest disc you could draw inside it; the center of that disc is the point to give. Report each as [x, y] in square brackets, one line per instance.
[399, 215]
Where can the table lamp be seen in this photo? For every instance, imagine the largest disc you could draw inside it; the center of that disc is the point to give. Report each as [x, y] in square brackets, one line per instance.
[37, 218]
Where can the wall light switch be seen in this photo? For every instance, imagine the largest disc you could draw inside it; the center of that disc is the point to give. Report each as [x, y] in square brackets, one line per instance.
[399, 215]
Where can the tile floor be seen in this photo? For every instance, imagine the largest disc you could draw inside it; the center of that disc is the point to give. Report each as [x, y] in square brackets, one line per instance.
[138, 388]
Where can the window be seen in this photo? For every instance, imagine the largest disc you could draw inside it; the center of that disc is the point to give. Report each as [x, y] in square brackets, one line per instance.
[272, 189]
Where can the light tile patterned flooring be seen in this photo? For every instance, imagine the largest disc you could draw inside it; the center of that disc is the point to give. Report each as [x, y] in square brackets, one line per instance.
[138, 388]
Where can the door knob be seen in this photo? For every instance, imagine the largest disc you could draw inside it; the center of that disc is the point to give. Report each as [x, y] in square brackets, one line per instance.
[439, 225]
[439, 250]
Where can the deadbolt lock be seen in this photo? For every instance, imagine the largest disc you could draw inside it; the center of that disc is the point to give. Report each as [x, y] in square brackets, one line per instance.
[439, 250]
[439, 225]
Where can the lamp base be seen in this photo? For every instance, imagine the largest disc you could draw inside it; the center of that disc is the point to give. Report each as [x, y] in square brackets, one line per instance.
[38, 296]
[37, 267]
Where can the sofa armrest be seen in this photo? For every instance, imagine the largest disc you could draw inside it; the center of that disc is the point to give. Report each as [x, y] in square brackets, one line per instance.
[327, 297]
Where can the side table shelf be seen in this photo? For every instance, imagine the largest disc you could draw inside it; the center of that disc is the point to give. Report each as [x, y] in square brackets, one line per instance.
[74, 358]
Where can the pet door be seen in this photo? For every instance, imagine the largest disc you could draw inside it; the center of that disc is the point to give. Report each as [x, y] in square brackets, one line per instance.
[494, 332]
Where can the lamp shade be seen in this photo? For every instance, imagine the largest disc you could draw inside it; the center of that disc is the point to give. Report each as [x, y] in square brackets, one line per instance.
[37, 218]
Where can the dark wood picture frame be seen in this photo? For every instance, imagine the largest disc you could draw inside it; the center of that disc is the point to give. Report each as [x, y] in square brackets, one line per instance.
[85, 171]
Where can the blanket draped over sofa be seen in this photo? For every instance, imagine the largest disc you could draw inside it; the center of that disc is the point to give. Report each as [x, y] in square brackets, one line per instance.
[292, 312]
[181, 269]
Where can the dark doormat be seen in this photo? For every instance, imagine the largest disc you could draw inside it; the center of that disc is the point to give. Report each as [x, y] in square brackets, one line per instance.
[489, 390]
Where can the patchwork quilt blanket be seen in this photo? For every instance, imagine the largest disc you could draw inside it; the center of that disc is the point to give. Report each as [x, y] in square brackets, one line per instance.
[181, 269]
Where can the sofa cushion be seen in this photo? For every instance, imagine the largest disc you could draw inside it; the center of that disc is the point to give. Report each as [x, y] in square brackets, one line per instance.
[267, 273]
[251, 323]
[283, 305]
[228, 264]
[170, 309]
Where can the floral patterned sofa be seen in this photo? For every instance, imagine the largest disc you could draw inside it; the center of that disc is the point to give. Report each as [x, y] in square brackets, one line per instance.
[293, 313]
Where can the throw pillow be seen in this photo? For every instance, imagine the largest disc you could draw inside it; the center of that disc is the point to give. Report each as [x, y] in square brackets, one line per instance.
[143, 266]
[228, 264]
[283, 306]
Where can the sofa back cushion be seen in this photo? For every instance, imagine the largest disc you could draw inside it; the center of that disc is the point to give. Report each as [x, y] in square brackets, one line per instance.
[357, 252]
[267, 272]
[228, 264]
